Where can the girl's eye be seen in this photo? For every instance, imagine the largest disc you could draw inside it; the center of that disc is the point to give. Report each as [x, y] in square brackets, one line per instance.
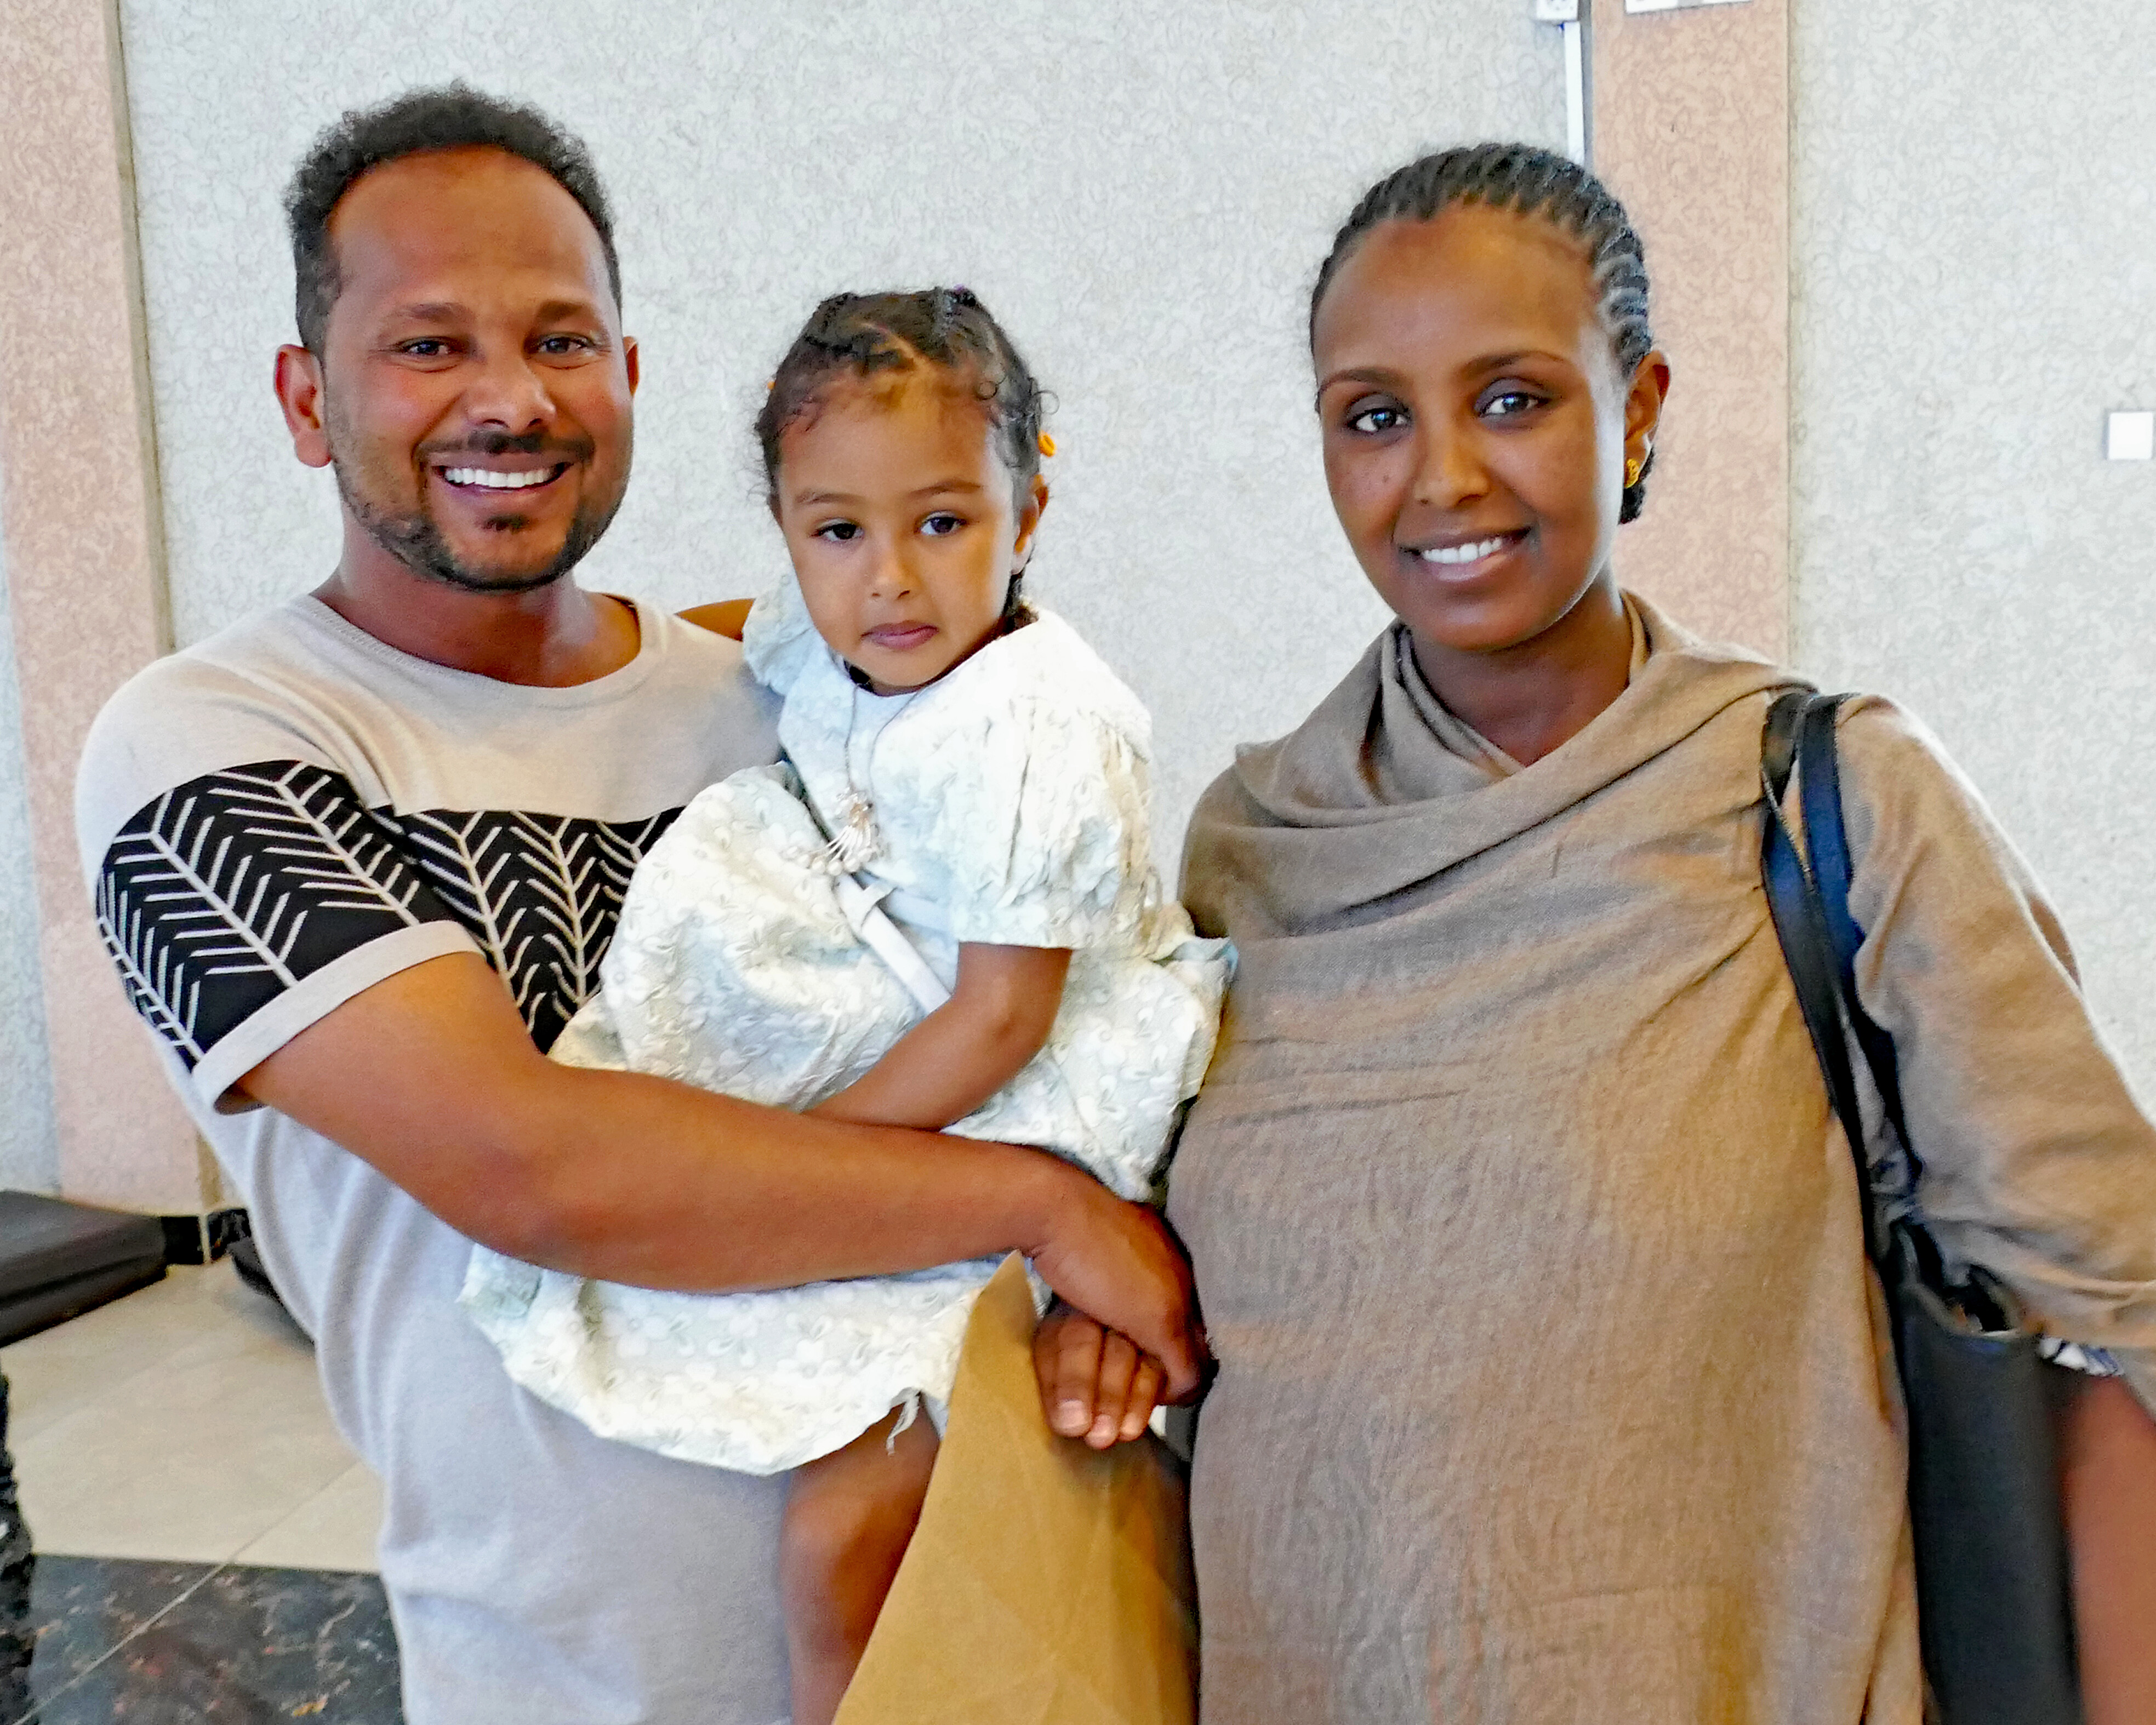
[1505, 403]
[1376, 421]
[940, 524]
[840, 532]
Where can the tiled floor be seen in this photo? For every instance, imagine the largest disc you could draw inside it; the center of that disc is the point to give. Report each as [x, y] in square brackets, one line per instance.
[204, 1534]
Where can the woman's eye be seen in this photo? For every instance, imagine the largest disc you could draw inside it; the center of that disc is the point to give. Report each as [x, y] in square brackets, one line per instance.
[1375, 422]
[841, 533]
[1506, 402]
[936, 526]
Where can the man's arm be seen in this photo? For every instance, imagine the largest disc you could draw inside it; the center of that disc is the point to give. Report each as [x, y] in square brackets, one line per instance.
[430, 1076]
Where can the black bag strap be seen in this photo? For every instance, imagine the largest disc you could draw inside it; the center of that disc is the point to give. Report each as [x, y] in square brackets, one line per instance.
[1819, 788]
[1803, 925]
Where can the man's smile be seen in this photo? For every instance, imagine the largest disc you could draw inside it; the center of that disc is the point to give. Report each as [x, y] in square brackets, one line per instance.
[496, 479]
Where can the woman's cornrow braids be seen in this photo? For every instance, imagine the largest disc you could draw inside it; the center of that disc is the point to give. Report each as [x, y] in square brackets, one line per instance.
[1535, 182]
[859, 334]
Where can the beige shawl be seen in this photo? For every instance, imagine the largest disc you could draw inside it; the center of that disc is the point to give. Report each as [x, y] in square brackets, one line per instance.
[1551, 1385]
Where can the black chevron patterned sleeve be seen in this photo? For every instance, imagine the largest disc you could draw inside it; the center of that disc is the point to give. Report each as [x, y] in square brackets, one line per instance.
[231, 888]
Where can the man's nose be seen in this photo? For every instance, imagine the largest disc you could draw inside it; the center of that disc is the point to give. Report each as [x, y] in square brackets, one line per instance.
[509, 393]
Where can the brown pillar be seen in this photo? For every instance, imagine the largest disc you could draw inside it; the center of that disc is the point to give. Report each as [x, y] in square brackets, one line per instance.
[1691, 130]
[78, 506]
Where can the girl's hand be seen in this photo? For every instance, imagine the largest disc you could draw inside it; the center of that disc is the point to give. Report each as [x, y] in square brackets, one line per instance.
[1095, 1384]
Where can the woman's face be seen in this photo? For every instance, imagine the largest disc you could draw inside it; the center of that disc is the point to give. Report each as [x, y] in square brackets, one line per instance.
[1475, 424]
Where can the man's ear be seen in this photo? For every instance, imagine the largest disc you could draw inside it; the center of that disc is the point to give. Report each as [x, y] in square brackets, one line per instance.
[632, 362]
[1028, 519]
[300, 394]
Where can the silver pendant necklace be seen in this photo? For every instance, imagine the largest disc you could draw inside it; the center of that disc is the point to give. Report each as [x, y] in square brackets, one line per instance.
[856, 841]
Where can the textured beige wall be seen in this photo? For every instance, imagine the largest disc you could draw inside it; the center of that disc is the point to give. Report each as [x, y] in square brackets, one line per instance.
[29, 1140]
[1691, 132]
[1975, 269]
[78, 506]
[1141, 191]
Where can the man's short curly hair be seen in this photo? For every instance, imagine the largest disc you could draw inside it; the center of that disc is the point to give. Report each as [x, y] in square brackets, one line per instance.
[454, 116]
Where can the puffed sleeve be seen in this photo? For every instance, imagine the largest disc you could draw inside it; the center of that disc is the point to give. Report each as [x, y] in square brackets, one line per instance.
[779, 639]
[2037, 1162]
[1040, 826]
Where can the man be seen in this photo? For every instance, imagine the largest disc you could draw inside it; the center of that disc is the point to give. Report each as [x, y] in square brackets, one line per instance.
[357, 860]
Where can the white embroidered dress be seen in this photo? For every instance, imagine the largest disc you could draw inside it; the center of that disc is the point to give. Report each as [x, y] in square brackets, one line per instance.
[1010, 798]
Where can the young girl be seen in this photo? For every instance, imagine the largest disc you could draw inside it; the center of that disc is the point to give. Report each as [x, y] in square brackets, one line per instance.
[964, 766]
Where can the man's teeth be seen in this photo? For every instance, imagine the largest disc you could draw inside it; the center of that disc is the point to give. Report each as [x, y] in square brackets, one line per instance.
[497, 481]
[1465, 553]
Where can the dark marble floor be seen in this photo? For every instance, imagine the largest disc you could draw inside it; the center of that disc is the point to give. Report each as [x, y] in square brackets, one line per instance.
[114, 1639]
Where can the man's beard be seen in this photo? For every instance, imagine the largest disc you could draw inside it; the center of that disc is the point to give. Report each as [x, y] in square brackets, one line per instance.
[416, 542]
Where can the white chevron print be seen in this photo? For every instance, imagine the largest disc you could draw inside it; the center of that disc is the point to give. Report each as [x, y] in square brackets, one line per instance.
[228, 890]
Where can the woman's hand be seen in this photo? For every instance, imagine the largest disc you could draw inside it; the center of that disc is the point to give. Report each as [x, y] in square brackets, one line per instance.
[1095, 1384]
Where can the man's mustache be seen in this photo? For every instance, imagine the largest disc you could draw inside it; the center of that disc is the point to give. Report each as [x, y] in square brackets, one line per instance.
[503, 443]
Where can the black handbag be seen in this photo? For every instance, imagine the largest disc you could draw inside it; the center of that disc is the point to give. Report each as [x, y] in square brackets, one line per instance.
[1994, 1598]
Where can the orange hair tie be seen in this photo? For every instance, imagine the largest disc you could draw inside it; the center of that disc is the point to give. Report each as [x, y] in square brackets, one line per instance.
[1047, 445]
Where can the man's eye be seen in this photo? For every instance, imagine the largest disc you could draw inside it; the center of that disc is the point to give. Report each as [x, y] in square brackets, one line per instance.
[936, 526]
[1375, 422]
[842, 532]
[426, 348]
[562, 347]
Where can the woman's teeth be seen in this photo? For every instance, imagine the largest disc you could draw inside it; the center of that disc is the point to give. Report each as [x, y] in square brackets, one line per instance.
[493, 481]
[1474, 553]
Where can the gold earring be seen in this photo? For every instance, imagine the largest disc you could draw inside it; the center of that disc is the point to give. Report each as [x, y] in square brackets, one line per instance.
[1633, 470]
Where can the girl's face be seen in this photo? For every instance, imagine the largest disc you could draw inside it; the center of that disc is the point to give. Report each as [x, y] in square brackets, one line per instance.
[1475, 424]
[901, 522]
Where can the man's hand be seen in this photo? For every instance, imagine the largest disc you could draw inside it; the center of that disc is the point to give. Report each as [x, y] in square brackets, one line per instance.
[1095, 1383]
[1122, 1270]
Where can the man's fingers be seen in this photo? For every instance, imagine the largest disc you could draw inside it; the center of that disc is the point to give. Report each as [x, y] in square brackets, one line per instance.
[1119, 1361]
[1066, 1362]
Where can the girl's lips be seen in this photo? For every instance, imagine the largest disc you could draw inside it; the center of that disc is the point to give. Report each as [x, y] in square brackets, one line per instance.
[900, 637]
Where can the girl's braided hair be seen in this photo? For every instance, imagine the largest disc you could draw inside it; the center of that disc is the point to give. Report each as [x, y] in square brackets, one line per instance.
[859, 334]
[1534, 182]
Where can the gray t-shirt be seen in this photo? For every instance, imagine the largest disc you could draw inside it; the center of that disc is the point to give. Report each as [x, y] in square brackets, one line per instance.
[274, 821]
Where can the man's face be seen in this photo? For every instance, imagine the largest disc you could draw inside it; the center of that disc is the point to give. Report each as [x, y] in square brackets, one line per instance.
[475, 383]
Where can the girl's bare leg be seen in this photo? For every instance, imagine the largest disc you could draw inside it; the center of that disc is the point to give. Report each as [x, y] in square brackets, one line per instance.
[849, 1516]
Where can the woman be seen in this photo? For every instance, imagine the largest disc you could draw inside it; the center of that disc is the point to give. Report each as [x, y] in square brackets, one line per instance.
[1552, 1378]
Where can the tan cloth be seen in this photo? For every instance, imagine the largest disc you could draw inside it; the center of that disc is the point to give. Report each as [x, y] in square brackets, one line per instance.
[1047, 1583]
[1551, 1382]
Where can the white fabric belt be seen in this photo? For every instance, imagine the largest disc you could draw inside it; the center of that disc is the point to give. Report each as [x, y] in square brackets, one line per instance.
[909, 907]
[863, 906]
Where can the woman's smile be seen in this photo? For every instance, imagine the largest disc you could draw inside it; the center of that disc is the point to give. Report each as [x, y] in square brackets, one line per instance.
[1456, 559]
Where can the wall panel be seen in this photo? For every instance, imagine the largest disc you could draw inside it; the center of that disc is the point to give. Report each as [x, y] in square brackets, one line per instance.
[1975, 287]
[1142, 192]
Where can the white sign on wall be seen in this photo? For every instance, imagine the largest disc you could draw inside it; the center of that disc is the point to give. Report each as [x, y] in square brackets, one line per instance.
[1674, 5]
